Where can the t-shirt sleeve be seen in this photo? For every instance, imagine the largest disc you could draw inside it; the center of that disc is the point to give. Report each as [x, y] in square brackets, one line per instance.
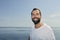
[50, 36]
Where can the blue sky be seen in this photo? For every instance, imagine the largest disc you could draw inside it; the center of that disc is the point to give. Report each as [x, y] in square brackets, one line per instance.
[17, 13]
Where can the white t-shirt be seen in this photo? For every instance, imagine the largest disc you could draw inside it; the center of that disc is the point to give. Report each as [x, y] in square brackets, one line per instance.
[43, 33]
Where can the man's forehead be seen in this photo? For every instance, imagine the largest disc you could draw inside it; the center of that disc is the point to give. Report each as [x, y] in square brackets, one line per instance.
[35, 11]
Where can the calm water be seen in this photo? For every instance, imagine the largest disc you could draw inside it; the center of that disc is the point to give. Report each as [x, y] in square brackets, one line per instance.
[21, 33]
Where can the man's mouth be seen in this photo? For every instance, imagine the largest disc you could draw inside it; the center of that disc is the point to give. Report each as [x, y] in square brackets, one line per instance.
[35, 19]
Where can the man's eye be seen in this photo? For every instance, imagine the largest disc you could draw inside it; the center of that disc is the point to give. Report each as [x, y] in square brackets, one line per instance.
[37, 14]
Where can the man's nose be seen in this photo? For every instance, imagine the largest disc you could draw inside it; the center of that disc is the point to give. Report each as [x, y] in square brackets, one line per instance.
[35, 15]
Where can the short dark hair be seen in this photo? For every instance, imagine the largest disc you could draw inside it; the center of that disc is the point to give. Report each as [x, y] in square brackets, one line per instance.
[36, 9]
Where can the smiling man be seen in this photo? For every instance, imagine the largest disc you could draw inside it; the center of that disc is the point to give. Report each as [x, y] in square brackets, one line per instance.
[40, 31]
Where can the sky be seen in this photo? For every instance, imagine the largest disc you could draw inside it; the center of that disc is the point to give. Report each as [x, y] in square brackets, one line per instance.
[17, 13]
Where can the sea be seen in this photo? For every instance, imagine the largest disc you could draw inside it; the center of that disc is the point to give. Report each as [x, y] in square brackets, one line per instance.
[21, 33]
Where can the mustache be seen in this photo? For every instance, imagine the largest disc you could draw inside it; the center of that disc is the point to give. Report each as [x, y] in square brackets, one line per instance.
[36, 18]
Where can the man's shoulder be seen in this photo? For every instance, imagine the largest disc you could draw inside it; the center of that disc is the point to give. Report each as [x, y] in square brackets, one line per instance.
[49, 31]
[47, 26]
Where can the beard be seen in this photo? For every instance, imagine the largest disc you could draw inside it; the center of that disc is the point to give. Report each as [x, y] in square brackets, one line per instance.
[36, 20]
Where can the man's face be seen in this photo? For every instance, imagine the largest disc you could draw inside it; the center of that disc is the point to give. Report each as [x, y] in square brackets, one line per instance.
[36, 17]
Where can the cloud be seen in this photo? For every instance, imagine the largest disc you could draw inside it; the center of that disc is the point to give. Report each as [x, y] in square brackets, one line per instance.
[54, 15]
[53, 19]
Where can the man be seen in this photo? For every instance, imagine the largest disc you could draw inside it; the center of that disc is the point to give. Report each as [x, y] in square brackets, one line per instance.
[40, 30]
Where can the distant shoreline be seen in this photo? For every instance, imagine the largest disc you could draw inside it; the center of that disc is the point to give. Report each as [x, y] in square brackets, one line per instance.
[15, 27]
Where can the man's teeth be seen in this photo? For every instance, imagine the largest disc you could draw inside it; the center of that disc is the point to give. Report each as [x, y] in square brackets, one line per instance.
[35, 19]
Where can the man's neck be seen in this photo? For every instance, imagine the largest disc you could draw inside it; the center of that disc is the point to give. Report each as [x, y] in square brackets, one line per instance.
[38, 25]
